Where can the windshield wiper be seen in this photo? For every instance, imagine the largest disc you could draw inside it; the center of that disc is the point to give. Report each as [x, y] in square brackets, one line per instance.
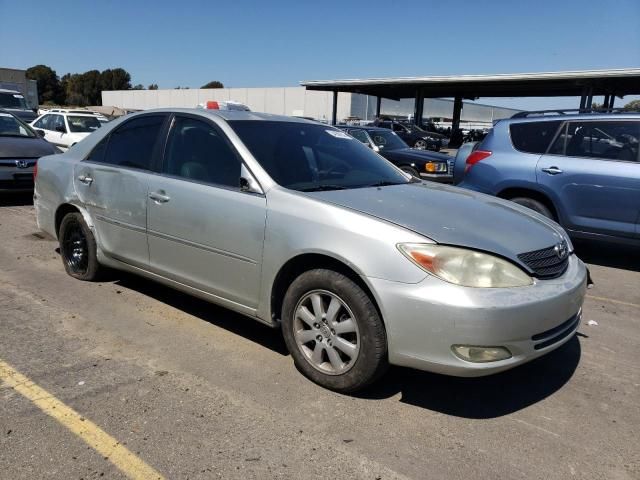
[383, 183]
[322, 187]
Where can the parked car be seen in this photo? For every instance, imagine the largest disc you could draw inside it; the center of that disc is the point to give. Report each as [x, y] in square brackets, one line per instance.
[581, 170]
[66, 129]
[302, 227]
[12, 101]
[415, 136]
[20, 148]
[81, 111]
[419, 163]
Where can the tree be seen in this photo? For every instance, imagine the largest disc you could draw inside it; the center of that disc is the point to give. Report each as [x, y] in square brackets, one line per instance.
[213, 84]
[632, 105]
[49, 88]
[138, 87]
[153, 86]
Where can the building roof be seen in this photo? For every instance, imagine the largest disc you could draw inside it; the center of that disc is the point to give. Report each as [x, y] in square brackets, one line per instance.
[624, 81]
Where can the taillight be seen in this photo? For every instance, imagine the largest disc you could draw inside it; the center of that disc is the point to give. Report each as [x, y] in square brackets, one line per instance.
[35, 171]
[211, 105]
[475, 157]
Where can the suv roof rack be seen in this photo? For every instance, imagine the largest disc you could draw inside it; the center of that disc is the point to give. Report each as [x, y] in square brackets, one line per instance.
[571, 110]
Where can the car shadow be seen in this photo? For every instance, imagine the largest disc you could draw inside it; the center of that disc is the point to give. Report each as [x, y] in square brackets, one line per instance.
[606, 254]
[16, 199]
[483, 397]
[219, 316]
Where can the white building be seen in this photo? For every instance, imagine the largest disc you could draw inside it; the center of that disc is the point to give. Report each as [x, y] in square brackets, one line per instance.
[297, 101]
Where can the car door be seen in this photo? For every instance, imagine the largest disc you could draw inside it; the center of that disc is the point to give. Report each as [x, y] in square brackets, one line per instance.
[45, 123]
[204, 231]
[592, 173]
[58, 133]
[113, 183]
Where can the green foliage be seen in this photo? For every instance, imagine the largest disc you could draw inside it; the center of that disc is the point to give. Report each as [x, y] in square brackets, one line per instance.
[80, 89]
[633, 105]
[213, 84]
[153, 86]
[49, 88]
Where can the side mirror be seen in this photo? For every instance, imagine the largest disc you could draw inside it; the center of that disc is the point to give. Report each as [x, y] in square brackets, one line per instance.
[61, 129]
[376, 148]
[40, 133]
[248, 184]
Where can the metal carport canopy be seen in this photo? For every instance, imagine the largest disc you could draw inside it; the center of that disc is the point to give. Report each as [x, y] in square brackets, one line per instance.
[618, 82]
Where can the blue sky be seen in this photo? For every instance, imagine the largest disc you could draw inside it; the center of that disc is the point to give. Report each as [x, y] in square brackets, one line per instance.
[279, 43]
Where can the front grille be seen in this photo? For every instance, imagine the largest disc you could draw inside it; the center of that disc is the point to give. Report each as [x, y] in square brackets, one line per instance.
[555, 334]
[546, 263]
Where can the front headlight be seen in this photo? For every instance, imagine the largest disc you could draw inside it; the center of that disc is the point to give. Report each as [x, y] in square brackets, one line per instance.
[464, 267]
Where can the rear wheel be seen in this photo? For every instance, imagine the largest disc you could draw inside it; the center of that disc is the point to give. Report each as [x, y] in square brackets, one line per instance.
[78, 248]
[534, 205]
[333, 331]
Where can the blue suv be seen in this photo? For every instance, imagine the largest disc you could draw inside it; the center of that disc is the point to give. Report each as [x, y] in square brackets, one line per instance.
[582, 170]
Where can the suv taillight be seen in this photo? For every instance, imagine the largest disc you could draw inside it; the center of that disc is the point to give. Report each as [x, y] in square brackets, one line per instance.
[475, 157]
[35, 171]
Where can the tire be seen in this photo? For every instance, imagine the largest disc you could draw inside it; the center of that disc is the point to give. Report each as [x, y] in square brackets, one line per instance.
[355, 321]
[534, 205]
[420, 144]
[78, 248]
[410, 171]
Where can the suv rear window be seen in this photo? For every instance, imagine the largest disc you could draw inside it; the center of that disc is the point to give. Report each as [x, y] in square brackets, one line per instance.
[533, 137]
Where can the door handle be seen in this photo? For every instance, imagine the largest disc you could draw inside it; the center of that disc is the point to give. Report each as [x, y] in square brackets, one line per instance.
[86, 179]
[159, 197]
[552, 170]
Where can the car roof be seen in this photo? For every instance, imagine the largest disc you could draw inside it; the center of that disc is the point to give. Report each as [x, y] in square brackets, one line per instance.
[231, 115]
[573, 116]
[364, 127]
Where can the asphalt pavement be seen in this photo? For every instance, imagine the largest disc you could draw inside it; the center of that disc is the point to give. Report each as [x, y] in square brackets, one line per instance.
[189, 390]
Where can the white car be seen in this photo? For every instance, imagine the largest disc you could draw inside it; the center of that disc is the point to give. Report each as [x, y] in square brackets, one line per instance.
[66, 129]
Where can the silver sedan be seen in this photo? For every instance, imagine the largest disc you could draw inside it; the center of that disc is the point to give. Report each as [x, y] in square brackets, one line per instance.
[300, 226]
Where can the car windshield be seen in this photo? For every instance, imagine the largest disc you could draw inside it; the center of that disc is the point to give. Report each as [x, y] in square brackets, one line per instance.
[312, 157]
[83, 124]
[387, 139]
[10, 126]
[12, 100]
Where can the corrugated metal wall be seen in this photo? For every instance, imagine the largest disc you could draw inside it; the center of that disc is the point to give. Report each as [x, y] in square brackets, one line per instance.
[280, 100]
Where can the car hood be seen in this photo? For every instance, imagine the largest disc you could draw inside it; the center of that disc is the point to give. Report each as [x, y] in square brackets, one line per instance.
[453, 216]
[415, 155]
[23, 147]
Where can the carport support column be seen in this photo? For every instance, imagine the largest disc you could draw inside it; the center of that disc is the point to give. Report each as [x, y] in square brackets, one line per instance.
[418, 108]
[457, 111]
[334, 108]
[378, 104]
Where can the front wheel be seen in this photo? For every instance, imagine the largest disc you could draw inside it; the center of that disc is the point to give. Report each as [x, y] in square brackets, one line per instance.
[334, 331]
[534, 205]
[78, 248]
[411, 171]
[420, 144]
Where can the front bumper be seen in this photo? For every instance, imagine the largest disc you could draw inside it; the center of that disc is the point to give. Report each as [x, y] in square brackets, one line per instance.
[13, 179]
[437, 177]
[424, 320]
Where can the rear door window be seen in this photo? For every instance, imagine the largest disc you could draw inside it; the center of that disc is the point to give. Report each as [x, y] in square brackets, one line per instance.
[533, 137]
[198, 151]
[360, 135]
[609, 140]
[132, 144]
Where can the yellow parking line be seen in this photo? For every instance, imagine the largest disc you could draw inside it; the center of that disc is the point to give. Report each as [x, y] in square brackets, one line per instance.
[611, 300]
[103, 443]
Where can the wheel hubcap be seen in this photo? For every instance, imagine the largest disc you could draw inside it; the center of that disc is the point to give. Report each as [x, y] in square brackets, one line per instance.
[326, 332]
[74, 249]
[420, 144]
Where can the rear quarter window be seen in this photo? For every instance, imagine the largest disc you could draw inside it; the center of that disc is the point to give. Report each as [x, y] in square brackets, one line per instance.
[533, 137]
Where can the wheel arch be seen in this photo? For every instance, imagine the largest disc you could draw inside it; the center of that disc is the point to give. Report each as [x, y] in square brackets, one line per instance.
[513, 192]
[67, 208]
[310, 261]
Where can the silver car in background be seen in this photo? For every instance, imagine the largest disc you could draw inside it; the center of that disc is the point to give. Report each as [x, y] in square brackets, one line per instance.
[300, 226]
